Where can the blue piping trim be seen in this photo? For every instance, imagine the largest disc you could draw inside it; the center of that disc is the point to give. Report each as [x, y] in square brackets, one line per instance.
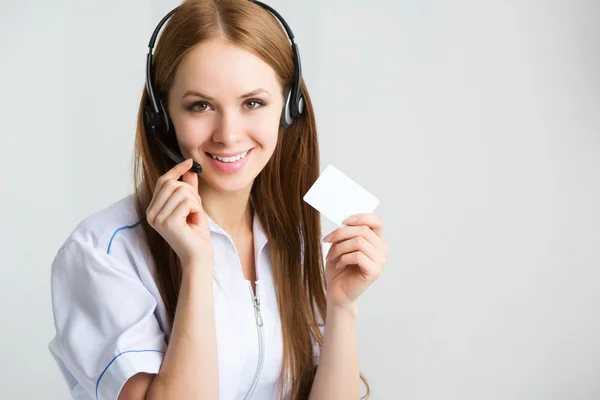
[113, 360]
[120, 229]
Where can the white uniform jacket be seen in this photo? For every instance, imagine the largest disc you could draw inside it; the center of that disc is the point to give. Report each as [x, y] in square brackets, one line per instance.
[111, 322]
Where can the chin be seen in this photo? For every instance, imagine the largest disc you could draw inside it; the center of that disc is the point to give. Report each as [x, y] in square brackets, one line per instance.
[222, 182]
[230, 185]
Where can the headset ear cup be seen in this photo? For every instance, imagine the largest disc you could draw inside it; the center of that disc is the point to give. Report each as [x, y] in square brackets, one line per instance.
[148, 117]
[286, 113]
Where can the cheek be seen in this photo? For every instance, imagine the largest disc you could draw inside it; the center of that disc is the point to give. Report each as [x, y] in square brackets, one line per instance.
[189, 131]
[265, 132]
[269, 126]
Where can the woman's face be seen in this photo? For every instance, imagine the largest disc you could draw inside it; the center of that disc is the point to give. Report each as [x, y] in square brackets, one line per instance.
[225, 101]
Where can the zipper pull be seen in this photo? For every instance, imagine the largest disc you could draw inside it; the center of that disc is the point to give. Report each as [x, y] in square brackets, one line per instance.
[259, 319]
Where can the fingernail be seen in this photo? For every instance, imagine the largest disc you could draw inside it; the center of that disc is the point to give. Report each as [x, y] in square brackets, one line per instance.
[349, 220]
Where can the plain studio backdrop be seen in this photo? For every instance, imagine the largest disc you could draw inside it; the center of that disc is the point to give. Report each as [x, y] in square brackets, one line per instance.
[477, 125]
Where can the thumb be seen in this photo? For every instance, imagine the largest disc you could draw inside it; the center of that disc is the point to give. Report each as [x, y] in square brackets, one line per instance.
[191, 178]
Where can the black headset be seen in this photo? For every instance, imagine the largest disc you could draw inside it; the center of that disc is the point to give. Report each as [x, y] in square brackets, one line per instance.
[156, 120]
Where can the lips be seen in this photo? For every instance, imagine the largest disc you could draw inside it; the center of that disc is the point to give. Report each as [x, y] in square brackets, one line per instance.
[230, 164]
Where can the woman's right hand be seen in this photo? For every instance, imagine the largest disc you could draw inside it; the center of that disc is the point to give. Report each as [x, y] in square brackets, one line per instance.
[176, 213]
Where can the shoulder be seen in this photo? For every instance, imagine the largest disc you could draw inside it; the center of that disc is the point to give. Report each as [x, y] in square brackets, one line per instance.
[113, 231]
[103, 227]
[108, 314]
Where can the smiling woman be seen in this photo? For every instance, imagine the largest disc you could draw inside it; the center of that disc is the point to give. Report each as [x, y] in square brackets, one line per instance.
[211, 282]
[226, 109]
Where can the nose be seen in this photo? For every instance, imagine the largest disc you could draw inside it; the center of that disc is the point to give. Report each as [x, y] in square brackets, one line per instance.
[228, 129]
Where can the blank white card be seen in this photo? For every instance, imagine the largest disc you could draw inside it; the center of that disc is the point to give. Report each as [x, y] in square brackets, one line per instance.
[337, 197]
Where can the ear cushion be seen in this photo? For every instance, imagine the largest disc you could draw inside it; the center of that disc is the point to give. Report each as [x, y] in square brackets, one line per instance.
[148, 116]
[301, 105]
[286, 113]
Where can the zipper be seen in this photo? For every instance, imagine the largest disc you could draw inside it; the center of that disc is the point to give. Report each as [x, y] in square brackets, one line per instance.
[259, 324]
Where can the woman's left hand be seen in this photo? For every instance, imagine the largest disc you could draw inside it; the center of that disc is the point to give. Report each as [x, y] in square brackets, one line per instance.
[355, 260]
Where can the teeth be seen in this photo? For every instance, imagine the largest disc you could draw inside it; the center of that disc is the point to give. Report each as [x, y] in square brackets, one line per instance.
[230, 159]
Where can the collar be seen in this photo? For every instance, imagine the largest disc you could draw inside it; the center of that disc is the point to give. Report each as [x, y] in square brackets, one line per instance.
[259, 235]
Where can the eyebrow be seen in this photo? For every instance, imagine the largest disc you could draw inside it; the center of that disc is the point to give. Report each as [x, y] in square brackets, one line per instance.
[199, 94]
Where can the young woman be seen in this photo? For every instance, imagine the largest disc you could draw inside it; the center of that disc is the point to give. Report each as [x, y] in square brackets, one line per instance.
[212, 280]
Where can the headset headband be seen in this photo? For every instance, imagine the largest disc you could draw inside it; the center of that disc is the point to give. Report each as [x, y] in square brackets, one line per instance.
[296, 93]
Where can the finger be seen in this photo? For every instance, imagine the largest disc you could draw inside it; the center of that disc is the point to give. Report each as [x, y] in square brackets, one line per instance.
[163, 196]
[187, 212]
[179, 195]
[369, 269]
[191, 178]
[373, 221]
[348, 232]
[192, 187]
[173, 174]
[164, 210]
[357, 243]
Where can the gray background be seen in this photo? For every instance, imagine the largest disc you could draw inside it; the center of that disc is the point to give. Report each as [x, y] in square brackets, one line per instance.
[477, 124]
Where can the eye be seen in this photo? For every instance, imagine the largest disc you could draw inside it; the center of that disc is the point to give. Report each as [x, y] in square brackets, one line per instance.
[203, 106]
[253, 104]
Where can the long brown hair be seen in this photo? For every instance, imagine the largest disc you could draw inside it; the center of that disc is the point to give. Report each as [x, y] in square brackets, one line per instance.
[292, 227]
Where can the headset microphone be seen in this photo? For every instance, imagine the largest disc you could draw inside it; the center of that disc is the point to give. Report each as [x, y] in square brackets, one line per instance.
[156, 120]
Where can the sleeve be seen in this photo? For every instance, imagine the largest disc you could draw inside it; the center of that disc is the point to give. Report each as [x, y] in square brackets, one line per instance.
[106, 330]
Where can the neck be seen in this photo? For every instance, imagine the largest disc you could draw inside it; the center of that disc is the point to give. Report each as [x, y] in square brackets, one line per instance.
[232, 211]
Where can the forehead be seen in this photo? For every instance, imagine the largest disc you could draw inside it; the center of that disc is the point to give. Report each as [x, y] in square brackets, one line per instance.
[218, 66]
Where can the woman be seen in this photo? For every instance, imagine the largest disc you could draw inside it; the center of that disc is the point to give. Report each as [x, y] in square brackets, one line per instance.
[209, 281]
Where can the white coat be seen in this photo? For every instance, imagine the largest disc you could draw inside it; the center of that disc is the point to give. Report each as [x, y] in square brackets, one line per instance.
[111, 322]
